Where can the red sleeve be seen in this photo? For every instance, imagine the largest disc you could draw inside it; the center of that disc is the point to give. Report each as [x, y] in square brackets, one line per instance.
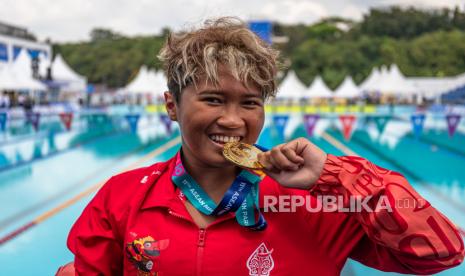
[93, 240]
[405, 234]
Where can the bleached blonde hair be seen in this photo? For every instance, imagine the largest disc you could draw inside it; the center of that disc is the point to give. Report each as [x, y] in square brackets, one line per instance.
[189, 55]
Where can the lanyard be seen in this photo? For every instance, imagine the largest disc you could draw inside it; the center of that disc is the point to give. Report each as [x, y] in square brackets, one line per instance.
[241, 197]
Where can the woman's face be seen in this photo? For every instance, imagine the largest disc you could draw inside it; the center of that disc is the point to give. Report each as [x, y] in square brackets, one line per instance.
[209, 116]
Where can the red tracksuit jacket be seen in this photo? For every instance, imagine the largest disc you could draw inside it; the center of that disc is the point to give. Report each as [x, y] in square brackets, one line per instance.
[137, 224]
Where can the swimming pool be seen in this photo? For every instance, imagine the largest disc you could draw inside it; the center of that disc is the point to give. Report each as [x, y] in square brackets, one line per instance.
[40, 171]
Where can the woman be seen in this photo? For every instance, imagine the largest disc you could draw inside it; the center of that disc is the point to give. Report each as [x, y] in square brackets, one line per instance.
[165, 220]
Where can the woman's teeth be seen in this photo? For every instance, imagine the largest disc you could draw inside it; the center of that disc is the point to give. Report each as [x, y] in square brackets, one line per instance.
[224, 139]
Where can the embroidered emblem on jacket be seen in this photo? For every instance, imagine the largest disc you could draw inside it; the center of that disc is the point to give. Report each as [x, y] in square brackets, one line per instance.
[260, 263]
[143, 252]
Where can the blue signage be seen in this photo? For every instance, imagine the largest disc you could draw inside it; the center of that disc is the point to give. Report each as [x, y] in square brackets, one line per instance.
[3, 52]
[418, 121]
[280, 122]
[16, 51]
[90, 88]
[33, 53]
[263, 29]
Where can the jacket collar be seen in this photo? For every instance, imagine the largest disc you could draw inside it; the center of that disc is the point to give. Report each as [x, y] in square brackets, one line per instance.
[163, 191]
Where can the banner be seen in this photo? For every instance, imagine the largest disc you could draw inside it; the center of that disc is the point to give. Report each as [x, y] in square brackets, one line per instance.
[347, 122]
[381, 122]
[366, 120]
[16, 51]
[167, 122]
[417, 121]
[52, 147]
[133, 120]
[280, 122]
[33, 118]
[66, 119]
[3, 117]
[37, 151]
[453, 121]
[310, 121]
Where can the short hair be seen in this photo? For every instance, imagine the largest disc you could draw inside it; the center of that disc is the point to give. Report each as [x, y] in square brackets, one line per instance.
[189, 55]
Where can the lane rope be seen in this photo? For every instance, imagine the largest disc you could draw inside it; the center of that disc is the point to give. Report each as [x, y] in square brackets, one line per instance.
[41, 218]
[82, 182]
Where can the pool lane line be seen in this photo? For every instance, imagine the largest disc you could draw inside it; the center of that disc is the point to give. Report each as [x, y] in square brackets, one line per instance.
[340, 146]
[79, 125]
[431, 142]
[346, 150]
[73, 147]
[40, 133]
[413, 175]
[41, 218]
[17, 216]
[423, 139]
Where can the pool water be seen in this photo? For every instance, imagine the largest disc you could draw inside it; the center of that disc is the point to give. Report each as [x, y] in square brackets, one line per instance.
[41, 170]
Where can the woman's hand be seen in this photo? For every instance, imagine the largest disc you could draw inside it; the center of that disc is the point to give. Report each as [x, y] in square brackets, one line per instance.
[296, 164]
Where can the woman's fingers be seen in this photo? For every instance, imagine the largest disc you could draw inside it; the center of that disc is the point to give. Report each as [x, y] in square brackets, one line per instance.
[289, 150]
[268, 165]
[280, 158]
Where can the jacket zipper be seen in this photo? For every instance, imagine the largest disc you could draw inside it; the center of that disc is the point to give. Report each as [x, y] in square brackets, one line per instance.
[200, 248]
[177, 215]
[200, 243]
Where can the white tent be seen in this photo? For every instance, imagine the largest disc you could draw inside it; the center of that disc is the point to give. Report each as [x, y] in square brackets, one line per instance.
[318, 89]
[8, 79]
[394, 82]
[141, 84]
[370, 82]
[347, 89]
[291, 88]
[22, 72]
[432, 87]
[63, 73]
[159, 83]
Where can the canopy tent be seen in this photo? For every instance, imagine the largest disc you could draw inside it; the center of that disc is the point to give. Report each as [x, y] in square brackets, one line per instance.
[141, 84]
[21, 74]
[394, 82]
[159, 83]
[458, 81]
[347, 89]
[370, 82]
[64, 74]
[291, 88]
[433, 87]
[8, 79]
[318, 89]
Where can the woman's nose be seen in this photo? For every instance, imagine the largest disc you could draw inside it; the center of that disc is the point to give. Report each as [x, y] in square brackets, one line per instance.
[230, 118]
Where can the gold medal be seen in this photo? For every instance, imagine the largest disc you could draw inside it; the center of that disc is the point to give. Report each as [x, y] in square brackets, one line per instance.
[242, 154]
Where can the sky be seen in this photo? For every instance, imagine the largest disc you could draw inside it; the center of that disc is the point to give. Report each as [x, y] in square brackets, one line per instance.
[72, 20]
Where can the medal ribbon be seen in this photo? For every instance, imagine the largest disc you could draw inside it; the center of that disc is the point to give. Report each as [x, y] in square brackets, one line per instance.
[241, 197]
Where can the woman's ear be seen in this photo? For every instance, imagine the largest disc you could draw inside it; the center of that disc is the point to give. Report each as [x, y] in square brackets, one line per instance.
[170, 105]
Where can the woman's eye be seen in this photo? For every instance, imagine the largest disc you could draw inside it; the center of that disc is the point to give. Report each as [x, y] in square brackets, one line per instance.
[213, 100]
[252, 103]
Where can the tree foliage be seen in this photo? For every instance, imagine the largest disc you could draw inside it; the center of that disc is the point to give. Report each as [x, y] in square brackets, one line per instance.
[420, 42]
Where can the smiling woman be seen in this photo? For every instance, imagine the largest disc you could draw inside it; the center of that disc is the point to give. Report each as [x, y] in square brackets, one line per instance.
[199, 214]
[210, 115]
